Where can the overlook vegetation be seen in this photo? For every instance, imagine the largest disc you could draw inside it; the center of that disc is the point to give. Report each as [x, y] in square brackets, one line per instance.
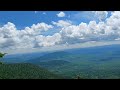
[2, 55]
[25, 71]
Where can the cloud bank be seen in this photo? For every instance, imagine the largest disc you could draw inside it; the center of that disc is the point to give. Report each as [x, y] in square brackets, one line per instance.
[69, 34]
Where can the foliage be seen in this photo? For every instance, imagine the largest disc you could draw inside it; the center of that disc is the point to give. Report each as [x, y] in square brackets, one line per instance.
[53, 63]
[25, 71]
[2, 55]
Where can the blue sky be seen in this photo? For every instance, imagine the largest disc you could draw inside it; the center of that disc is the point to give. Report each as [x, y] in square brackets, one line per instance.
[35, 30]
[22, 19]
[26, 18]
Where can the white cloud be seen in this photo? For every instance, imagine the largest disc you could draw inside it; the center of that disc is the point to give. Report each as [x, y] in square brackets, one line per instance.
[90, 16]
[102, 31]
[101, 14]
[59, 47]
[62, 23]
[32, 37]
[12, 38]
[41, 26]
[61, 14]
[46, 41]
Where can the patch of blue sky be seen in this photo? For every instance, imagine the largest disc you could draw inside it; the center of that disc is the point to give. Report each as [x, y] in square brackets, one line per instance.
[23, 19]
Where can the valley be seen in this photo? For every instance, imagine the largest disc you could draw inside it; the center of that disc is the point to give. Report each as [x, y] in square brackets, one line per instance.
[101, 62]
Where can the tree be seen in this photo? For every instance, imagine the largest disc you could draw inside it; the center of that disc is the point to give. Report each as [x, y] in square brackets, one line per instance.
[1, 56]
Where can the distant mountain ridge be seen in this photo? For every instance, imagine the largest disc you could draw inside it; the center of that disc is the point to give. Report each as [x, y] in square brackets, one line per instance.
[50, 56]
[94, 49]
[19, 58]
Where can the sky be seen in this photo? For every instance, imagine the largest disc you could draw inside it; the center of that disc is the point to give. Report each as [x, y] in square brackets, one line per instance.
[36, 31]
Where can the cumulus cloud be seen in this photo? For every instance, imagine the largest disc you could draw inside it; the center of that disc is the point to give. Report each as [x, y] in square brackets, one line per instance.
[62, 23]
[32, 37]
[93, 31]
[43, 41]
[61, 14]
[10, 37]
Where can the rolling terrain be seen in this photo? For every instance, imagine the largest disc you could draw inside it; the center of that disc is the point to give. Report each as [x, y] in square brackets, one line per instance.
[25, 71]
[101, 62]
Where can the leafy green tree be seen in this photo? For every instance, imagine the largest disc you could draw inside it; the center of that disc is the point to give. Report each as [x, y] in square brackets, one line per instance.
[1, 56]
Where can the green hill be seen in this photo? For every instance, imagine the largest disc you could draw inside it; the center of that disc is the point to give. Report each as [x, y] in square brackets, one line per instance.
[25, 71]
[53, 63]
[50, 56]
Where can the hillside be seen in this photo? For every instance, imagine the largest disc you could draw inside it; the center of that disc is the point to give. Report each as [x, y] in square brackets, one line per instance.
[25, 71]
[53, 63]
[50, 56]
[102, 62]
[19, 58]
